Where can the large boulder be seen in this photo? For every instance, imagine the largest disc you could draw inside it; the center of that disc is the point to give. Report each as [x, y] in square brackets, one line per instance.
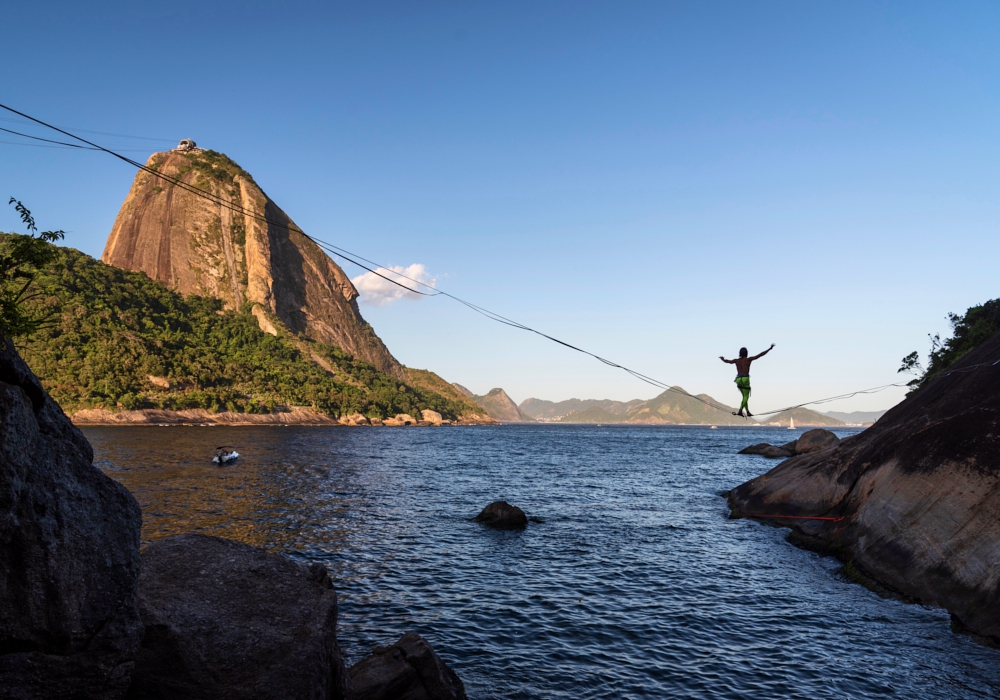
[766, 450]
[432, 417]
[501, 514]
[918, 494]
[69, 553]
[407, 670]
[228, 621]
[815, 440]
[810, 441]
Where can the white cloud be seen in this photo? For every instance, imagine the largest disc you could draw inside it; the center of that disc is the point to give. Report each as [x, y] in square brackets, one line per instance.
[378, 291]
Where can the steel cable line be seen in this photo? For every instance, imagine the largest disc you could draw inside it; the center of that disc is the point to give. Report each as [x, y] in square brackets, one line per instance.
[197, 191]
[354, 259]
[39, 138]
[88, 131]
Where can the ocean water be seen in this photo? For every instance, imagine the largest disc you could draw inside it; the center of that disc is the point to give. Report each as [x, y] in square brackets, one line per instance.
[637, 585]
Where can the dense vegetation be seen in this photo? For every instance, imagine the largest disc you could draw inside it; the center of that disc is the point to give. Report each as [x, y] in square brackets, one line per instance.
[112, 332]
[967, 332]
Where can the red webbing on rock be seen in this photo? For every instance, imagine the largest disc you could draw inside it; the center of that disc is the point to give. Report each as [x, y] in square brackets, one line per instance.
[797, 517]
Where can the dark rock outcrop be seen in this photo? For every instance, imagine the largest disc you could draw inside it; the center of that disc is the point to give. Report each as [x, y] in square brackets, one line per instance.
[919, 493]
[766, 450]
[407, 670]
[815, 440]
[229, 621]
[69, 553]
[809, 441]
[501, 514]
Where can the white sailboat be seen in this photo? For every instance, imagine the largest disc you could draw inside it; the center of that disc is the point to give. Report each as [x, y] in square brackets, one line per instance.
[791, 423]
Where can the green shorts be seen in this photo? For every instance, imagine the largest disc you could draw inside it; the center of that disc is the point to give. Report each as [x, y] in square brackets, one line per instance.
[743, 381]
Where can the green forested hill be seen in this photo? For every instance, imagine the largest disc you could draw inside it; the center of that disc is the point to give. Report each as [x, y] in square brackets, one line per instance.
[118, 339]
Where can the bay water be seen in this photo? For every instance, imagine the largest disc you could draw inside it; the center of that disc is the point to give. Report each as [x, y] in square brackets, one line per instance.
[636, 585]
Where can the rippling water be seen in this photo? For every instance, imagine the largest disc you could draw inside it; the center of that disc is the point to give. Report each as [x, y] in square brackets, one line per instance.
[636, 585]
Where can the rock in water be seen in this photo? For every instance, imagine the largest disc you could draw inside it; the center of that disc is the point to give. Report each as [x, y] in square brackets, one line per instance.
[502, 515]
[229, 621]
[196, 246]
[810, 441]
[69, 553]
[919, 490]
[407, 670]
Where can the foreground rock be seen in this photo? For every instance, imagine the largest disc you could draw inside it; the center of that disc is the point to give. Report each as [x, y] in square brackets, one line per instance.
[501, 514]
[810, 441]
[69, 553]
[407, 670]
[919, 492]
[228, 621]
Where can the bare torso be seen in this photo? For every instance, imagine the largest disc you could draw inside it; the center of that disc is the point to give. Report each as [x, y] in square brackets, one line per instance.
[743, 363]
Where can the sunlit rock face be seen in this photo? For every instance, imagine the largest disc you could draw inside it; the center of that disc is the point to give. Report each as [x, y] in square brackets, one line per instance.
[240, 248]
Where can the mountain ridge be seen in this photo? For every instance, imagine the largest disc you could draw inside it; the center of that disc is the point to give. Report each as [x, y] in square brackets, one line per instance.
[674, 406]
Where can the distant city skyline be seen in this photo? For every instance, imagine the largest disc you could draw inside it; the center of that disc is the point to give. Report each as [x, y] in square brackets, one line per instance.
[659, 184]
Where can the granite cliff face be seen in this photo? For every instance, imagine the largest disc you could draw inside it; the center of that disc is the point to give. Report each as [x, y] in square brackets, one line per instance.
[196, 246]
[917, 495]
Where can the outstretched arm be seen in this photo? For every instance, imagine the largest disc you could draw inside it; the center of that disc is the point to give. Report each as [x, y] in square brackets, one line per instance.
[755, 357]
[728, 362]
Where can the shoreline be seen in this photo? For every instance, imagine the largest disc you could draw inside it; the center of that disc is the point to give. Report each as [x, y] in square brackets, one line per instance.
[100, 417]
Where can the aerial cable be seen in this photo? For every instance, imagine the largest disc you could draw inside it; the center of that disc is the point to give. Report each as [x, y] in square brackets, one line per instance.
[88, 131]
[194, 190]
[354, 259]
[39, 138]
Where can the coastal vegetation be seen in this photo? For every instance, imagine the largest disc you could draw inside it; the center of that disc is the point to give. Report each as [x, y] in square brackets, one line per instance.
[116, 339]
[968, 331]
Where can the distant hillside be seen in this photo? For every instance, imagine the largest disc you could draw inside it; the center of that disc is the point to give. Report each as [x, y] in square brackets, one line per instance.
[462, 390]
[670, 407]
[428, 381]
[501, 407]
[802, 416]
[855, 416]
[593, 414]
[119, 340]
[551, 410]
[675, 407]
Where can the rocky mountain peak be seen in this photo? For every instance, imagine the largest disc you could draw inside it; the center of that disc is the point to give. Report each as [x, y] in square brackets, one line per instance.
[255, 255]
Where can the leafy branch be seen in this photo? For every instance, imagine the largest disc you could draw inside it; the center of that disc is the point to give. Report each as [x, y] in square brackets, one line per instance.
[21, 257]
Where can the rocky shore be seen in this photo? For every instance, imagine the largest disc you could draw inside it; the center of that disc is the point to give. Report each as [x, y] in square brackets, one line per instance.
[294, 416]
[84, 615]
[913, 501]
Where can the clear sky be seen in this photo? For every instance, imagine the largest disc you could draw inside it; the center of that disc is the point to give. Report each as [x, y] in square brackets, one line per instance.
[658, 182]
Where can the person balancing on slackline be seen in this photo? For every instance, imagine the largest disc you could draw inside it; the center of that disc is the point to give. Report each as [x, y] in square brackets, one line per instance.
[743, 377]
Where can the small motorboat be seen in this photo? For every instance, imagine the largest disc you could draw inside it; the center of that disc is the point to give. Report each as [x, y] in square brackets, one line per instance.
[225, 455]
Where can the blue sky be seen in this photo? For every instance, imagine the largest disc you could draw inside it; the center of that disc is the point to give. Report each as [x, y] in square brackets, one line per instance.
[660, 183]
